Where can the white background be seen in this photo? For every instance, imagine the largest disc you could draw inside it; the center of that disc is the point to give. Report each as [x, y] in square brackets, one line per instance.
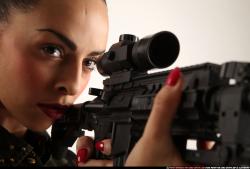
[208, 30]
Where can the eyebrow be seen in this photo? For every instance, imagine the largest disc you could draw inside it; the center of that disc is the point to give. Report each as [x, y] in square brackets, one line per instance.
[96, 54]
[69, 42]
[62, 37]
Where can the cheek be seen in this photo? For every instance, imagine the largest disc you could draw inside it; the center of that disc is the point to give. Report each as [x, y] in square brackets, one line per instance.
[32, 78]
[84, 83]
[30, 74]
[22, 69]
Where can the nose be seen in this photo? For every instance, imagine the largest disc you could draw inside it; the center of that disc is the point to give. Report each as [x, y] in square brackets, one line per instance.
[71, 80]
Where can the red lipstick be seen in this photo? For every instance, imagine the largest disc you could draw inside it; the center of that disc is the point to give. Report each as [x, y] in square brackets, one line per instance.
[54, 111]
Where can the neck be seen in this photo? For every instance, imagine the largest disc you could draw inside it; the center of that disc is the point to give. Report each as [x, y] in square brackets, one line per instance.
[10, 123]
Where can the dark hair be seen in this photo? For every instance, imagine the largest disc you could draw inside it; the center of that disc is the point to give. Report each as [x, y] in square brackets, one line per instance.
[6, 5]
[24, 5]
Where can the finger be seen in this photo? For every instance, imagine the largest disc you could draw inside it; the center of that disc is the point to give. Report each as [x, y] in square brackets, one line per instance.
[165, 106]
[84, 149]
[104, 146]
[97, 163]
[156, 146]
[205, 145]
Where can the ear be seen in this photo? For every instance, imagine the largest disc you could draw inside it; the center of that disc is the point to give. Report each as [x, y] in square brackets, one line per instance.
[3, 26]
[1, 33]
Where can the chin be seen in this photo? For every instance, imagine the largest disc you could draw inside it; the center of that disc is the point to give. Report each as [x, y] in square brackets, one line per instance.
[40, 128]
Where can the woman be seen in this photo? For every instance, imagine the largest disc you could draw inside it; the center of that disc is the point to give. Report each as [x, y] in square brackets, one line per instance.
[47, 52]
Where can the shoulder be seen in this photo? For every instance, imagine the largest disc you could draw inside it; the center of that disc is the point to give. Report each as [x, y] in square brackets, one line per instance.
[16, 151]
[42, 143]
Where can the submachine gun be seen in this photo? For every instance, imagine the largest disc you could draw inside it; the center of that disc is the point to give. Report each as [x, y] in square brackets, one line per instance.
[215, 104]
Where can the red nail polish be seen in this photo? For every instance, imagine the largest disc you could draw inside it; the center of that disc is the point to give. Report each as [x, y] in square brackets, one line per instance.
[99, 146]
[173, 77]
[82, 155]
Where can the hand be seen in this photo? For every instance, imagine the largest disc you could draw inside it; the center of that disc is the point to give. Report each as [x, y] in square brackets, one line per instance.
[85, 147]
[156, 147]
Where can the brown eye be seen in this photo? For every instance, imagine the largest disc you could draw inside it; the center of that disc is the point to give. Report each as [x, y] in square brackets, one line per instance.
[90, 64]
[53, 51]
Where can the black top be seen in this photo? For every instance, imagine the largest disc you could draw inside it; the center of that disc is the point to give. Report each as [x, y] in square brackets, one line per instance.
[34, 149]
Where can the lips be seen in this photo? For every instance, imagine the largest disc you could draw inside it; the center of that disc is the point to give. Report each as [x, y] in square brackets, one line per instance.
[54, 111]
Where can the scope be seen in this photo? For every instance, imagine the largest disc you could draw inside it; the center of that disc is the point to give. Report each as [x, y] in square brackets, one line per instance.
[159, 50]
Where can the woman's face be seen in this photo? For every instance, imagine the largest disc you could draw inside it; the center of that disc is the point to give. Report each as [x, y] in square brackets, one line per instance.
[46, 57]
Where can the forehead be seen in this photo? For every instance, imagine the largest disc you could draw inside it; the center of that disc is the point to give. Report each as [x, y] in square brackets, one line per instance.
[82, 13]
[71, 7]
[79, 20]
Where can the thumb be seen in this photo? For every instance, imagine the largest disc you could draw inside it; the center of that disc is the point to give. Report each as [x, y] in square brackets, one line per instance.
[84, 149]
[165, 106]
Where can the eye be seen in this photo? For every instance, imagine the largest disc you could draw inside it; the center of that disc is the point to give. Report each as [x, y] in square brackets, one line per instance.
[90, 64]
[52, 50]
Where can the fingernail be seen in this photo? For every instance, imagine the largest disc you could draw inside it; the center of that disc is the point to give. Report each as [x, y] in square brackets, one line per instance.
[99, 146]
[173, 77]
[82, 155]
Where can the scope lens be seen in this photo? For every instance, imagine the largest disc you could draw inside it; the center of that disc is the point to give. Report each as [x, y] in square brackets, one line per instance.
[157, 51]
[163, 49]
